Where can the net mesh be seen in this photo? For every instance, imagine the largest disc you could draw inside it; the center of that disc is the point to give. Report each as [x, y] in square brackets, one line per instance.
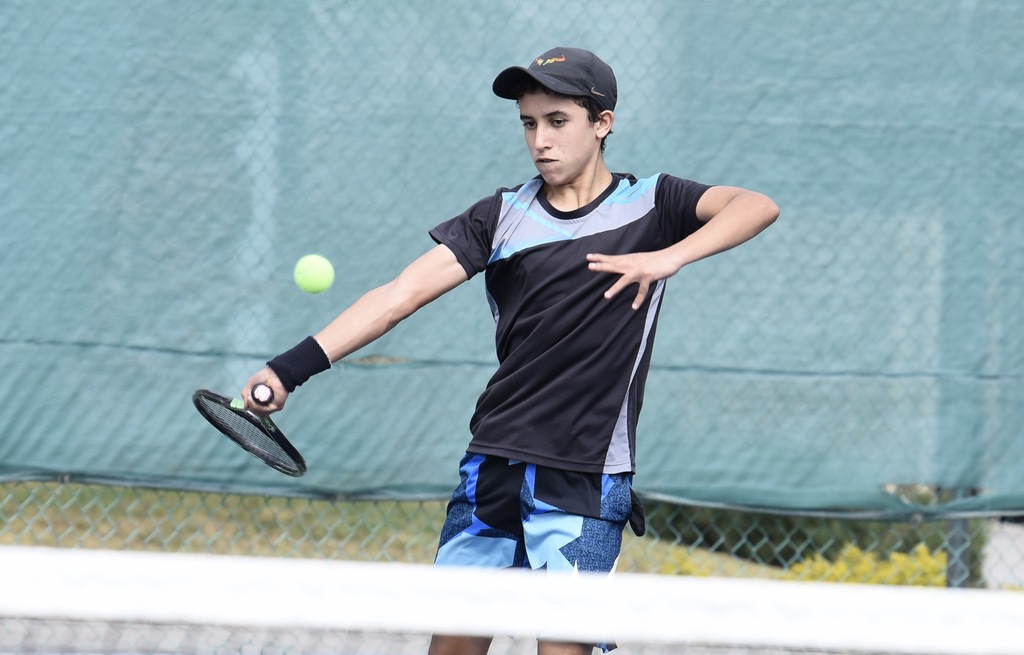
[87, 601]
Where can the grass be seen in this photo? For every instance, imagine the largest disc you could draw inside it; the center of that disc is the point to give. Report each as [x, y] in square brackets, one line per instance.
[89, 516]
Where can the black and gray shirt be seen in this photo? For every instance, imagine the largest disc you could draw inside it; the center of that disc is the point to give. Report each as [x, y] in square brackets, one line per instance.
[572, 365]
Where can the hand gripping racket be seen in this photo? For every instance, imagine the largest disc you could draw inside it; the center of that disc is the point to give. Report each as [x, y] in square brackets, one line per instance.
[257, 435]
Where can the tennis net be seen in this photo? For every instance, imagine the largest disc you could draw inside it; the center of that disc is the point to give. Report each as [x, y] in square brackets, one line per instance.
[93, 601]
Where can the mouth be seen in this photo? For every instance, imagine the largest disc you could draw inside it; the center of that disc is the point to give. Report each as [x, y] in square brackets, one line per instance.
[543, 160]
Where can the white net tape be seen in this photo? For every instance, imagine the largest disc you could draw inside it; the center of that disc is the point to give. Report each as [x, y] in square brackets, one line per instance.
[55, 600]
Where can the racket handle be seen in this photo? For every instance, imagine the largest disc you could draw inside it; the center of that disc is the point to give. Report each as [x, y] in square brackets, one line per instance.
[262, 394]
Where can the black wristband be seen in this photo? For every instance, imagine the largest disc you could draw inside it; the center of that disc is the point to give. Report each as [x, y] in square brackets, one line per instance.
[302, 362]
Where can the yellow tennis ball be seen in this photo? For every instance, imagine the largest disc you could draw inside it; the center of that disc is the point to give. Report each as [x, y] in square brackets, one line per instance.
[314, 274]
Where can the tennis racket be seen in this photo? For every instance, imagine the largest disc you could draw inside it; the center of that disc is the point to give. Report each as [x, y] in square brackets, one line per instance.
[257, 435]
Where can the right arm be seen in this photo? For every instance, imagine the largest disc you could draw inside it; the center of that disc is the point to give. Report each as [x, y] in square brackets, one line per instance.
[430, 276]
[371, 316]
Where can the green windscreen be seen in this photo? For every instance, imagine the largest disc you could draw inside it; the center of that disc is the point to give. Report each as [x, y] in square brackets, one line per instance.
[163, 165]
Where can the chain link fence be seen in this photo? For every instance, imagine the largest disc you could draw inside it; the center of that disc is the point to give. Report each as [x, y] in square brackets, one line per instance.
[157, 157]
[960, 551]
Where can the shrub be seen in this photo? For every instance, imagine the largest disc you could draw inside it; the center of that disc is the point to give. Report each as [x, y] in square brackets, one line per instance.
[920, 568]
[784, 541]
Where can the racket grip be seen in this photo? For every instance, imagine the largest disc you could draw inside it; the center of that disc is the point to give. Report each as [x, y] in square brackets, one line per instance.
[261, 394]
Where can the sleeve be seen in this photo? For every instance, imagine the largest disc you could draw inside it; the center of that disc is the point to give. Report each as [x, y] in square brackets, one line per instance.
[676, 200]
[470, 234]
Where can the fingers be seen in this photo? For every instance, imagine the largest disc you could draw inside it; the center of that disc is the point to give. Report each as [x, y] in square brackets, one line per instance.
[599, 262]
[622, 283]
[641, 295]
[618, 264]
[278, 393]
[607, 264]
[616, 288]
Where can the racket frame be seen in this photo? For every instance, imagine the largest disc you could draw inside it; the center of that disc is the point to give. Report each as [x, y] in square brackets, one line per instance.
[294, 468]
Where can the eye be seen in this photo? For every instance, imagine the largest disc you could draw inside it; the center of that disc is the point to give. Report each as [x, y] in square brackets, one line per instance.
[558, 122]
[529, 125]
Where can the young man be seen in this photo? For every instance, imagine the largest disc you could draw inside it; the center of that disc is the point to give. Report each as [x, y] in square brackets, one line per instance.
[575, 261]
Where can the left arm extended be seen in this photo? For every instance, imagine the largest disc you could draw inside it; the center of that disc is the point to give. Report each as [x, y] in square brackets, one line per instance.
[732, 216]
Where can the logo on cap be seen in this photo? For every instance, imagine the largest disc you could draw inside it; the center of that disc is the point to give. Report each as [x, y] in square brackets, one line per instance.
[545, 62]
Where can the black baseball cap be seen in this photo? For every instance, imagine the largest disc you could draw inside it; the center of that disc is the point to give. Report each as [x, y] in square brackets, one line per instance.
[569, 71]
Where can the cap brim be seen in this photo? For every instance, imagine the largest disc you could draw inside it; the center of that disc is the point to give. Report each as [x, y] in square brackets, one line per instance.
[510, 81]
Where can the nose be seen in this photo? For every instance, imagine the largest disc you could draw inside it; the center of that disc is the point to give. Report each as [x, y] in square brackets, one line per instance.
[541, 140]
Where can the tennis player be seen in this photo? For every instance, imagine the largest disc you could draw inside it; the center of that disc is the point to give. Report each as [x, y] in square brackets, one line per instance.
[575, 262]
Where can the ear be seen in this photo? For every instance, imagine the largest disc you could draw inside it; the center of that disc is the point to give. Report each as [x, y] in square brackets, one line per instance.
[604, 123]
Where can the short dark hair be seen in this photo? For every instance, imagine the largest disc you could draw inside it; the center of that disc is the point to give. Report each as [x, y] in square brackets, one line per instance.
[593, 109]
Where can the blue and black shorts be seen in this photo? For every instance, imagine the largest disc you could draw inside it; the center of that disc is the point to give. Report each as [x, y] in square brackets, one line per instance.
[509, 514]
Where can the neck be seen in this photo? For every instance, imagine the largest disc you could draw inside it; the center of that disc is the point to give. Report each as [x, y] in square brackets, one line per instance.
[581, 191]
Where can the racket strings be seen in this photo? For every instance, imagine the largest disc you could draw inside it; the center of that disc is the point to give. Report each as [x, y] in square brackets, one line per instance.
[241, 428]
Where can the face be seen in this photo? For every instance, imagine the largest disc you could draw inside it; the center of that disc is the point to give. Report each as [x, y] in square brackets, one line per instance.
[562, 141]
